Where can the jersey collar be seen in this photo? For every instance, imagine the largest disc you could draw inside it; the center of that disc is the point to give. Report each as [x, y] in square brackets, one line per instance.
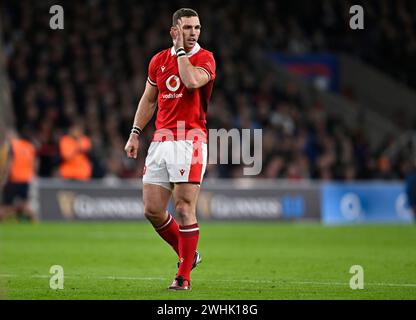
[189, 54]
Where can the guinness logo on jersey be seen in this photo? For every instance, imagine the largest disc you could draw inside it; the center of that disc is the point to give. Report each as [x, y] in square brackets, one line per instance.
[173, 83]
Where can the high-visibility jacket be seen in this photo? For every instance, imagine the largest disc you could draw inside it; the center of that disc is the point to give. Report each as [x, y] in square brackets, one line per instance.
[75, 163]
[22, 167]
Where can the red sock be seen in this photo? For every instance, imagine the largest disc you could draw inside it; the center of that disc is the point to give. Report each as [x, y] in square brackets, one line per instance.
[188, 241]
[169, 231]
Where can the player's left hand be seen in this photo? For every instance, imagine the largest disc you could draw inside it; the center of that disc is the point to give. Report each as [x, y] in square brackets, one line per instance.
[177, 35]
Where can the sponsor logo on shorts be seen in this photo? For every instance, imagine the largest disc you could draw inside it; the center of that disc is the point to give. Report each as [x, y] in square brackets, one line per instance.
[182, 172]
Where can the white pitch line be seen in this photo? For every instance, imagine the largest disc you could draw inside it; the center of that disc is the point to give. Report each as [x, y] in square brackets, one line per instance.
[281, 282]
[395, 284]
[346, 284]
[131, 278]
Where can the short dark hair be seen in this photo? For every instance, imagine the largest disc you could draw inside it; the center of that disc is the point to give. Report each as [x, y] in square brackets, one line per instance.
[183, 12]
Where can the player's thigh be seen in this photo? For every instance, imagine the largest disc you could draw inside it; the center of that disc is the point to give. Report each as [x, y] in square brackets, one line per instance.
[155, 198]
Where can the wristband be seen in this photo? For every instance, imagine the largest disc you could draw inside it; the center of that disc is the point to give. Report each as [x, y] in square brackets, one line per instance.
[136, 130]
[180, 52]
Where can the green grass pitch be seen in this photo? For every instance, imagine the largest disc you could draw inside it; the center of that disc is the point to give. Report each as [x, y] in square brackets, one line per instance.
[240, 261]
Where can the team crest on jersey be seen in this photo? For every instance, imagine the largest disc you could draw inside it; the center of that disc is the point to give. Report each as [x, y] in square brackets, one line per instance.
[163, 68]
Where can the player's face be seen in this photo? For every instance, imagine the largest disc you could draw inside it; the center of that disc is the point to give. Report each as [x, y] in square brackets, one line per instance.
[191, 30]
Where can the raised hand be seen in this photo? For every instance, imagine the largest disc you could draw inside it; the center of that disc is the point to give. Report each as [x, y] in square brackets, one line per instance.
[177, 35]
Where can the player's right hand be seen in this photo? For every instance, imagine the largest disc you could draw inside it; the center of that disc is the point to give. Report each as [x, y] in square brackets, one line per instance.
[132, 146]
[177, 35]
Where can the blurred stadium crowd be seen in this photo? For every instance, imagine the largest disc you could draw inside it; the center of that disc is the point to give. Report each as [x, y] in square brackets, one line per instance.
[93, 73]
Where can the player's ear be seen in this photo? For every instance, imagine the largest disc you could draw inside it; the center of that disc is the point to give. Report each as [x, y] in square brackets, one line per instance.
[173, 32]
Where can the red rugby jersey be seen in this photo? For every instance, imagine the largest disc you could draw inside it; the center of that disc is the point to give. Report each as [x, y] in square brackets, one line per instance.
[175, 102]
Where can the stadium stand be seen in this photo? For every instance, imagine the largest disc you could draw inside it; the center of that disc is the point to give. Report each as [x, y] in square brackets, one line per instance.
[6, 117]
[95, 70]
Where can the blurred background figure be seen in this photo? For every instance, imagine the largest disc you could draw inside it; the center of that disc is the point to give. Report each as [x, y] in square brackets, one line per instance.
[74, 149]
[21, 167]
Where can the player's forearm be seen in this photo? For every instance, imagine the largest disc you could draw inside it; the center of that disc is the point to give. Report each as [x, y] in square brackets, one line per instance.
[144, 113]
[188, 73]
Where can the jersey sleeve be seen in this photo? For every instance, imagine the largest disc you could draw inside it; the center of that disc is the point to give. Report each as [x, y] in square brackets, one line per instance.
[207, 64]
[151, 76]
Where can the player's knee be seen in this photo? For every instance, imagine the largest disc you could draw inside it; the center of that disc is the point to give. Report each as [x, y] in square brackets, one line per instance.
[151, 213]
[183, 208]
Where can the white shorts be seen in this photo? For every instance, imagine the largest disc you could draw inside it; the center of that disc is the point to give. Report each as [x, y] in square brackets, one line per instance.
[175, 161]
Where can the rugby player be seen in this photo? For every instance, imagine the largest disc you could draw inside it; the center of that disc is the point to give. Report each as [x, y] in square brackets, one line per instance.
[180, 82]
